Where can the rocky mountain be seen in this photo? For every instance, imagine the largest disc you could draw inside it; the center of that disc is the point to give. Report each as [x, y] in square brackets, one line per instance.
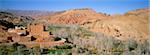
[133, 24]
[77, 16]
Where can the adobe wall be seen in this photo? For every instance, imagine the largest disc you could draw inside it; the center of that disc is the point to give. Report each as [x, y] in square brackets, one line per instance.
[37, 30]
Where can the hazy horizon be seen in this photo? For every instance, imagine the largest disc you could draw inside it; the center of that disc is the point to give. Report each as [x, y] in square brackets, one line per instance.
[104, 6]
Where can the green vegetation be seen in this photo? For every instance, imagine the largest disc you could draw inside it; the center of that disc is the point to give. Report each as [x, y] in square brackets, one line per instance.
[54, 28]
[15, 49]
[63, 47]
[86, 42]
[69, 30]
[19, 49]
[60, 51]
[110, 46]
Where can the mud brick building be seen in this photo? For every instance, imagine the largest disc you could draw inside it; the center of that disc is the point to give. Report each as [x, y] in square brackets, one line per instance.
[37, 30]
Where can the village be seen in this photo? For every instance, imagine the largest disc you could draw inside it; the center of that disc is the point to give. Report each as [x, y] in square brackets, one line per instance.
[34, 35]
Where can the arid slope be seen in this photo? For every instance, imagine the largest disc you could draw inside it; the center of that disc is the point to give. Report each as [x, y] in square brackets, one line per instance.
[76, 16]
[133, 24]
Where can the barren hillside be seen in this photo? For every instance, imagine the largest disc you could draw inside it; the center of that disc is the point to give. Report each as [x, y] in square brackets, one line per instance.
[133, 24]
[124, 26]
[76, 16]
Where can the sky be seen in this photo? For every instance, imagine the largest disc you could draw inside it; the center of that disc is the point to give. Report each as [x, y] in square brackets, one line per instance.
[104, 6]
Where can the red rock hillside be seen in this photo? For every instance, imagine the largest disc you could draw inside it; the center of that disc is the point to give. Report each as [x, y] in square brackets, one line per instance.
[76, 16]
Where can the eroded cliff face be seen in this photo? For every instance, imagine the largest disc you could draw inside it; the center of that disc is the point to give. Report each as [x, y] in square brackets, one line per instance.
[133, 24]
[76, 16]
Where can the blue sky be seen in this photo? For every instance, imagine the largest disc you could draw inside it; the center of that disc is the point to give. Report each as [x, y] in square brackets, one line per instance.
[104, 6]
